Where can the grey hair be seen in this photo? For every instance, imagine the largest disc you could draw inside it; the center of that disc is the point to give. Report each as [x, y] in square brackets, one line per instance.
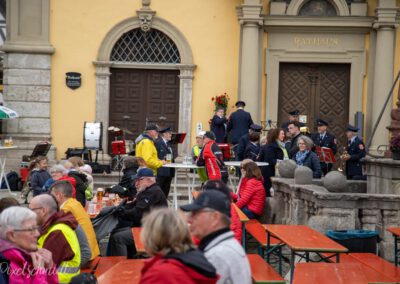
[47, 201]
[58, 169]
[307, 140]
[13, 217]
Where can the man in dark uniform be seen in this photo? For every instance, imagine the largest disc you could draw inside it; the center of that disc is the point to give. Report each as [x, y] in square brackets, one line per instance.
[355, 152]
[238, 123]
[244, 141]
[293, 116]
[294, 133]
[323, 138]
[164, 152]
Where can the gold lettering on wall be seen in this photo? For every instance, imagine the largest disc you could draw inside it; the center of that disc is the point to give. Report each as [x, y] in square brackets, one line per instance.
[315, 41]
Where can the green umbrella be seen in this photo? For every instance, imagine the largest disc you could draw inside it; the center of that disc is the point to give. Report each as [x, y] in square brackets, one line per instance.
[6, 113]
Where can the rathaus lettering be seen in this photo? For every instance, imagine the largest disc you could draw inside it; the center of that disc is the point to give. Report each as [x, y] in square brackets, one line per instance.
[316, 41]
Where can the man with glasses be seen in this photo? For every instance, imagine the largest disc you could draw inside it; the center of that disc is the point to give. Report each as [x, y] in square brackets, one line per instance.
[209, 221]
[57, 234]
[149, 195]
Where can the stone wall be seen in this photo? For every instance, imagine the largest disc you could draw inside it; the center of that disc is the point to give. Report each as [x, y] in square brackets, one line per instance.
[314, 206]
[27, 91]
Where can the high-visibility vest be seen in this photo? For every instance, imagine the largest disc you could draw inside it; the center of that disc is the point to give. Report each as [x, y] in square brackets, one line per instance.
[200, 172]
[69, 268]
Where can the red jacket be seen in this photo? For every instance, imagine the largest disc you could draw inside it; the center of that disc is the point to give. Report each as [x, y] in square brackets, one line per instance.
[251, 194]
[211, 157]
[179, 269]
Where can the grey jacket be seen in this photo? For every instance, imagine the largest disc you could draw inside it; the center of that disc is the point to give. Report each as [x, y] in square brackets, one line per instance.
[229, 258]
[86, 253]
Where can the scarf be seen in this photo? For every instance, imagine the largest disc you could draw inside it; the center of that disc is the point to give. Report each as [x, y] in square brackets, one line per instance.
[301, 156]
[283, 148]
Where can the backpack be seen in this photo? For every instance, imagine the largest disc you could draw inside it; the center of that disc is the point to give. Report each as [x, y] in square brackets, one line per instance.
[13, 181]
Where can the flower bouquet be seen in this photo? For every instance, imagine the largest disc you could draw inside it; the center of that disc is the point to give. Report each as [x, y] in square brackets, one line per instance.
[221, 101]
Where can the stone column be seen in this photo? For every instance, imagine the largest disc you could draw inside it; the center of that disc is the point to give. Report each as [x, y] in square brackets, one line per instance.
[385, 25]
[103, 98]
[249, 14]
[27, 73]
[185, 106]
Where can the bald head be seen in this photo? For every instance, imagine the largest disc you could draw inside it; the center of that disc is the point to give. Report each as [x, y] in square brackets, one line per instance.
[44, 206]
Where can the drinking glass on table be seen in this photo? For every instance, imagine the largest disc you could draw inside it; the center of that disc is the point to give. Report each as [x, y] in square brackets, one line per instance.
[168, 158]
[100, 194]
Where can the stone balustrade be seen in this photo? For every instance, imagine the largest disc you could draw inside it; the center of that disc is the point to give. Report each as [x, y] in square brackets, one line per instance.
[315, 206]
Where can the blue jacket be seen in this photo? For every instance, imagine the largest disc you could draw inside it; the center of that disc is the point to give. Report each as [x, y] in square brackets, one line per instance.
[252, 151]
[218, 127]
[4, 265]
[329, 141]
[162, 151]
[38, 180]
[238, 125]
[312, 161]
[356, 151]
[241, 147]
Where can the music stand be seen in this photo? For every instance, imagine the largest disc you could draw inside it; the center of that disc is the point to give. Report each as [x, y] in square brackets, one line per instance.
[41, 149]
[325, 155]
[118, 148]
[177, 138]
[226, 150]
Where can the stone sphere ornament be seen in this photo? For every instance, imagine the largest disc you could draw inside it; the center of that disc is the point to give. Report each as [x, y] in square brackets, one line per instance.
[335, 181]
[286, 168]
[303, 175]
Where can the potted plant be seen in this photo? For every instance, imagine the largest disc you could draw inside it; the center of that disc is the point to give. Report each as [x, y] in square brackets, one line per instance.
[395, 147]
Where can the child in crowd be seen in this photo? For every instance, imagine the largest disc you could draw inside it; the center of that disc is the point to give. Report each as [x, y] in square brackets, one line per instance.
[38, 175]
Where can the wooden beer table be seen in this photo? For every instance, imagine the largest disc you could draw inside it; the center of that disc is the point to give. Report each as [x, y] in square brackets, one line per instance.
[338, 273]
[396, 234]
[301, 240]
[126, 271]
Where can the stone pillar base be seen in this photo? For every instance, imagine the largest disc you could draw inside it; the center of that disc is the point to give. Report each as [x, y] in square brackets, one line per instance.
[383, 176]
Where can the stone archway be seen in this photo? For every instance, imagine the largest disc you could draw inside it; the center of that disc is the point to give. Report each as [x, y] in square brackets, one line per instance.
[186, 68]
[340, 5]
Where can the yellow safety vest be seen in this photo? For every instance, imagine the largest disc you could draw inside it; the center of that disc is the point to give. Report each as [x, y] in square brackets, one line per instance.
[200, 172]
[70, 268]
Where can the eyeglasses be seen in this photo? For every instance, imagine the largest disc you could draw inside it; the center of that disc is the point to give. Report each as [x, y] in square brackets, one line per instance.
[31, 230]
[301, 143]
[37, 208]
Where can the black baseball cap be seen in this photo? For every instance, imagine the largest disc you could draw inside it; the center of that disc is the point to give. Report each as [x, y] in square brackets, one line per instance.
[151, 126]
[321, 122]
[212, 199]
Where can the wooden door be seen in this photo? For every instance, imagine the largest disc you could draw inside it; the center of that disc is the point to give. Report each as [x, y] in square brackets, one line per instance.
[140, 96]
[318, 91]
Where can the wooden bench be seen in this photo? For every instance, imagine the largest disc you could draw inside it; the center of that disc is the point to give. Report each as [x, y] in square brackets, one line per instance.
[262, 272]
[372, 261]
[243, 219]
[101, 264]
[138, 241]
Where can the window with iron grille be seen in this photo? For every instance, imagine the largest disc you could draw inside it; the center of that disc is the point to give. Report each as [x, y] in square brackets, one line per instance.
[145, 47]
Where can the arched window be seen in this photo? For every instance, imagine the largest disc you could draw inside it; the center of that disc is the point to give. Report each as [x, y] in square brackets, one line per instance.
[318, 8]
[145, 47]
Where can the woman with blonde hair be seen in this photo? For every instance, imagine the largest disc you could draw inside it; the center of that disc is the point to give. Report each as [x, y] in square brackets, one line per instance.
[166, 237]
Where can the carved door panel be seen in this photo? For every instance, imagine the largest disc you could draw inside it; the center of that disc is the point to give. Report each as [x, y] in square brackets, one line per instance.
[140, 96]
[294, 90]
[333, 101]
[318, 91]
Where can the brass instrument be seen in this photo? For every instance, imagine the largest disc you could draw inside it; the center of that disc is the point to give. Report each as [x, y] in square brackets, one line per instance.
[343, 158]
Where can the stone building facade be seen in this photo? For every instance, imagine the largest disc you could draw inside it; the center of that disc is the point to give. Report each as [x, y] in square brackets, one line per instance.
[148, 60]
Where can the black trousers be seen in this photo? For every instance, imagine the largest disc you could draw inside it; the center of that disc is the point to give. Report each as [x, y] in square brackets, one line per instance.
[325, 168]
[165, 184]
[122, 243]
